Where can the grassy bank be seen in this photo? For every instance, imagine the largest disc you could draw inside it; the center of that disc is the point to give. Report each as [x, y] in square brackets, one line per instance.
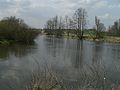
[106, 39]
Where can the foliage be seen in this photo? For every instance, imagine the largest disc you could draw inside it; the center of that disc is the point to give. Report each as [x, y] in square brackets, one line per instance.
[4, 42]
[12, 28]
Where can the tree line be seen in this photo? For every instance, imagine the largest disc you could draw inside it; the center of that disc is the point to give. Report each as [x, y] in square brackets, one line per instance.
[77, 25]
[14, 29]
[114, 30]
[57, 25]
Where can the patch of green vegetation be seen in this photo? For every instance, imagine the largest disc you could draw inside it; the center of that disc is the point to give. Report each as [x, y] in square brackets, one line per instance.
[4, 42]
[16, 30]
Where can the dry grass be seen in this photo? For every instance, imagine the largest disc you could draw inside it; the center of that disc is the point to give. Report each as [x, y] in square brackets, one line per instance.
[89, 78]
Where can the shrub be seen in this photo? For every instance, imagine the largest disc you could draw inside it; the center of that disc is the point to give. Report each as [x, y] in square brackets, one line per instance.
[15, 29]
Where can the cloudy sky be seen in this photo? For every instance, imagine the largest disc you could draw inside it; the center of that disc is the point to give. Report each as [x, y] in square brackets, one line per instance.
[37, 12]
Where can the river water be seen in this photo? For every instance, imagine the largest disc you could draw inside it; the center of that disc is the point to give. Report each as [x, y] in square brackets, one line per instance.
[65, 55]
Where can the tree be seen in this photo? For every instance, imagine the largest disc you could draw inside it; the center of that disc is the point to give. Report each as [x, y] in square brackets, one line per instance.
[15, 29]
[49, 27]
[99, 28]
[54, 26]
[72, 26]
[67, 25]
[66, 22]
[115, 29]
[14, 23]
[80, 20]
[61, 26]
[61, 23]
[55, 20]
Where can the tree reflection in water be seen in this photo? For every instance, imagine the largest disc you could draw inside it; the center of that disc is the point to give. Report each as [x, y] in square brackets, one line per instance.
[16, 50]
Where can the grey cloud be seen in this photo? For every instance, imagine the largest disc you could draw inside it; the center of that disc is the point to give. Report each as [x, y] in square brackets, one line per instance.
[36, 12]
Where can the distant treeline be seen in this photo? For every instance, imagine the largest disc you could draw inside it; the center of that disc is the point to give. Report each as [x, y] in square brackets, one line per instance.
[77, 24]
[14, 29]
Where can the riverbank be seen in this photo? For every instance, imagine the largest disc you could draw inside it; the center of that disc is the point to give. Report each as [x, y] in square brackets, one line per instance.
[11, 42]
[105, 39]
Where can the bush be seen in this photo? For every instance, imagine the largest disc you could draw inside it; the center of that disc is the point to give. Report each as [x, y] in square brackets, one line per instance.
[15, 29]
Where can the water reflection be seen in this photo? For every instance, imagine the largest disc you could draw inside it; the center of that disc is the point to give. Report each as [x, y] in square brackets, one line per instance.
[97, 56]
[77, 57]
[53, 45]
[16, 50]
[67, 56]
[65, 51]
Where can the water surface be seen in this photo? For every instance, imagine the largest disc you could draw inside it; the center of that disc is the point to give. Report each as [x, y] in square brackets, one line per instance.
[67, 56]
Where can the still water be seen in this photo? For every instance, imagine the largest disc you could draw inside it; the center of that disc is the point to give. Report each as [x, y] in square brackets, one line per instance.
[65, 55]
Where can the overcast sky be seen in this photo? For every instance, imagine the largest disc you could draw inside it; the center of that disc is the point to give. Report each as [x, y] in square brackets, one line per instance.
[37, 12]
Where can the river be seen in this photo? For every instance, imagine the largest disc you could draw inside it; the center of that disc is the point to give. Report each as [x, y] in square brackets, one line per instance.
[67, 56]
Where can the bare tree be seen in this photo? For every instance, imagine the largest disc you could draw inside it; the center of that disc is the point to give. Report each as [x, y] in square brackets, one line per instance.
[55, 22]
[66, 22]
[99, 28]
[67, 25]
[61, 23]
[54, 26]
[115, 29]
[80, 19]
[49, 27]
